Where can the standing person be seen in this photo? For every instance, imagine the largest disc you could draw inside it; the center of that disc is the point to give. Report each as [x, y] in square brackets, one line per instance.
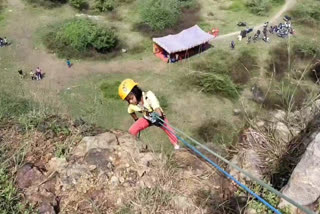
[69, 63]
[38, 73]
[232, 45]
[148, 104]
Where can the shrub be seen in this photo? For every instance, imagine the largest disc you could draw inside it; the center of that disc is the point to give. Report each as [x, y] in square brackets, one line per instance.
[105, 5]
[259, 7]
[159, 14]
[213, 83]
[77, 37]
[307, 12]
[79, 4]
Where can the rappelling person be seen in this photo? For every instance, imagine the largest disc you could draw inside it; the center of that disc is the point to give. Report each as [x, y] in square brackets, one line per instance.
[148, 104]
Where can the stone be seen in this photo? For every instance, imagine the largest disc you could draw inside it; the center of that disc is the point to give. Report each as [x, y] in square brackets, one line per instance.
[304, 183]
[114, 180]
[279, 115]
[260, 123]
[56, 164]
[236, 111]
[99, 158]
[46, 208]
[249, 161]
[28, 176]
[282, 132]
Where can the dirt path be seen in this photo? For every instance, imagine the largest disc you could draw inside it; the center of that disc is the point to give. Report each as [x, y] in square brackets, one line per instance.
[288, 5]
[22, 26]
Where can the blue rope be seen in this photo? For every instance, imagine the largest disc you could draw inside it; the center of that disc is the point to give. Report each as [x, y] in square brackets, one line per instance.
[279, 194]
[224, 172]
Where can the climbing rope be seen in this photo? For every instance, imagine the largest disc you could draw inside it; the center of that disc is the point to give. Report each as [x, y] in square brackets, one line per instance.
[234, 166]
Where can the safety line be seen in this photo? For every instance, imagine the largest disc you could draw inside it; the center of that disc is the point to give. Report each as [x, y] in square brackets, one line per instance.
[304, 209]
[224, 172]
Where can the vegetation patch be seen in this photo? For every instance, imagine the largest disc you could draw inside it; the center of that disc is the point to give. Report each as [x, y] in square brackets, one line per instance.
[47, 3]
[279, 62]
[159, 14]
[79, 4]
[261, 7]
[223, 73]
[80, 38]
[285, 95]
[307, 12]
[306, 48]
[218, 132]
[104, 5]
[110, 90]
[11, 106]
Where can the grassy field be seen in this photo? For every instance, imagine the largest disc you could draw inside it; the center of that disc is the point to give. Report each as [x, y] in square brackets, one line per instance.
[80, 94]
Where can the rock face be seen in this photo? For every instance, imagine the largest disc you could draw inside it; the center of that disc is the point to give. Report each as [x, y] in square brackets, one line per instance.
[108, 171]
[304, 184]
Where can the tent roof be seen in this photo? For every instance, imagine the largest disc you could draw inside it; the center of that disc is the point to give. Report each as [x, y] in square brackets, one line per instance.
[184, 40]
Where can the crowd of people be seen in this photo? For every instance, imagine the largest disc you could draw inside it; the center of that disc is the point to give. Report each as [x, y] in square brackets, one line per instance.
[282, 30]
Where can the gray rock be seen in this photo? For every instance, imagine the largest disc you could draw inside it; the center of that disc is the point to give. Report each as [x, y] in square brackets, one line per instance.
[304, 184]
[282, 132]
[28, 176]
[236, 111]
[46, 208]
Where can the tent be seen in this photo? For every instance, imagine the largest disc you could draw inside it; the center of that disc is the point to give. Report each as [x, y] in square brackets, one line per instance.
[178, 46]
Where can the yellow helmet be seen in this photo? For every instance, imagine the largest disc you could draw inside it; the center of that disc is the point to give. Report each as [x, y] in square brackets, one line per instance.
[125, 87]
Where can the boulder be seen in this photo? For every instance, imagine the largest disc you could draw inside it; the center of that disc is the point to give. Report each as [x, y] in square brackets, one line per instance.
[304, 183]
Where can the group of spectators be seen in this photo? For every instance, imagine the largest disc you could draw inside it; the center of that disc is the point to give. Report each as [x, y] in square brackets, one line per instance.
[282, 30]
[34, 75]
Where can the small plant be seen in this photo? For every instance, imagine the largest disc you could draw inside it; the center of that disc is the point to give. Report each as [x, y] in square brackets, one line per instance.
[267, 195]
[79, 4]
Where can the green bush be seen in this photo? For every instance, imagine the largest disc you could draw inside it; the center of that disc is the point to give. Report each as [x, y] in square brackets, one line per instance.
[79, 4]
[160, 14]
[80, 38]
[307, 12]
[105, 5]
[213, 83]
[259, 7]
[47, 3]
